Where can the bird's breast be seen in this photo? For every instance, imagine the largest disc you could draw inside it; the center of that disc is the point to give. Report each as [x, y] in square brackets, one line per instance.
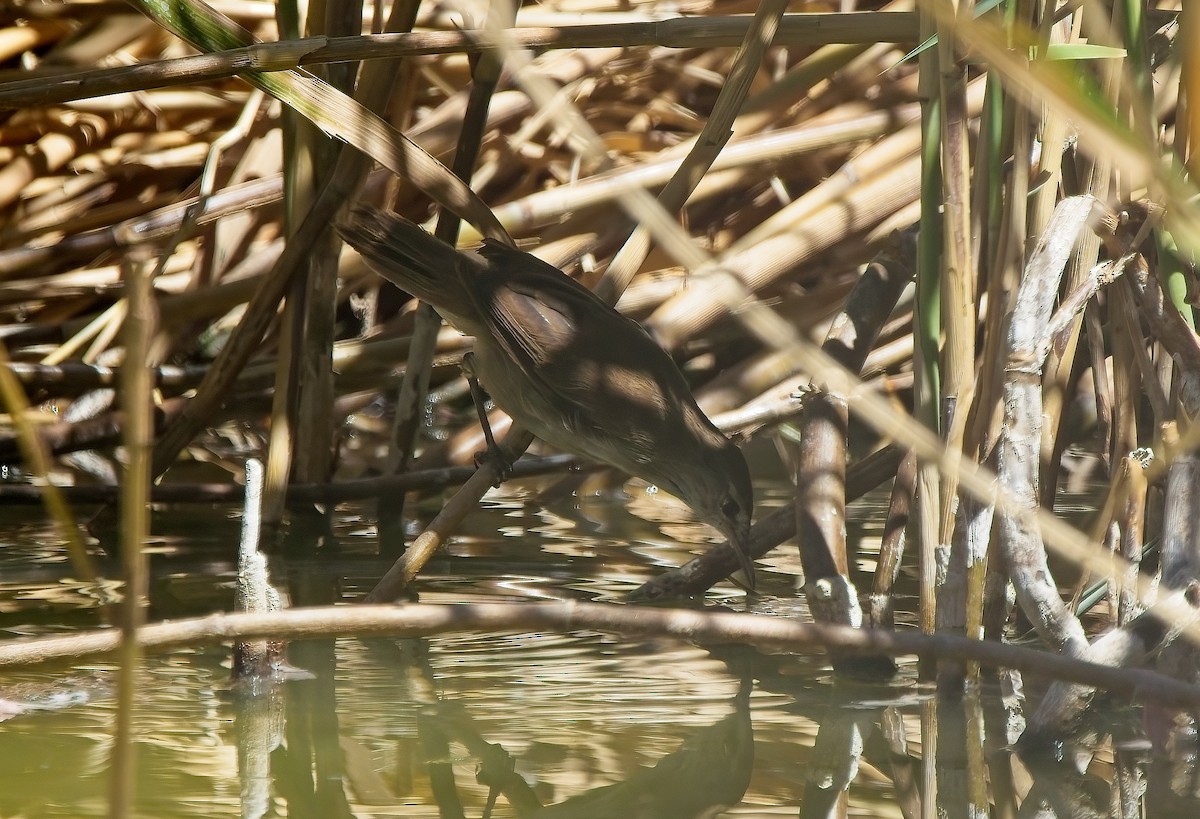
[552, 419]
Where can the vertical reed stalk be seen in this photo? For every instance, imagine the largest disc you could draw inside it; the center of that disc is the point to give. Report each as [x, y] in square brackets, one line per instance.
[138, 403]
[302, 406]
[927, 332]
[957, 282]
[958, 265]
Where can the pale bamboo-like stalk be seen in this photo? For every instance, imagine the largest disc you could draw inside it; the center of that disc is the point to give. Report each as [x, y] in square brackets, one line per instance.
[927, 321]
[958, 270]
[137, 400]
[958, 320]
[930, 730]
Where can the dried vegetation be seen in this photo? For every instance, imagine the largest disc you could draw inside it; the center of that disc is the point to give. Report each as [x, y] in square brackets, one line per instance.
[1052, 310]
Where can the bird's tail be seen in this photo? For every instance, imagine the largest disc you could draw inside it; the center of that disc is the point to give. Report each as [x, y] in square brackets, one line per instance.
[410, 258]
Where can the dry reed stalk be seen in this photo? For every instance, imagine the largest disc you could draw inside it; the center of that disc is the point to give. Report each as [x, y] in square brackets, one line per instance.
[820, 470]
[642, 117]
[958, 272]
[59, 85]
[416, 620]
[137, 401]
[14, 40]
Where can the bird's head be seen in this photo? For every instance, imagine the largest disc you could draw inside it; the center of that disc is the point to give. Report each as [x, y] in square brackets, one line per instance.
[719, 492]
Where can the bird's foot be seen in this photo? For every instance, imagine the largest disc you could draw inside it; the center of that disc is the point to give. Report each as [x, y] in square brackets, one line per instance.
[498, 458]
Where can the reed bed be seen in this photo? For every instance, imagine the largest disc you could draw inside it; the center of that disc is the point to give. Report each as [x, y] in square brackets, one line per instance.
[982, 253]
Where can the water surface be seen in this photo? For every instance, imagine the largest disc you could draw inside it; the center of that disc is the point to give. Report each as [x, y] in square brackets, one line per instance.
[582, 724]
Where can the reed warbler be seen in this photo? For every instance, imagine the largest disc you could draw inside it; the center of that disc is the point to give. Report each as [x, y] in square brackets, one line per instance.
[568, 367]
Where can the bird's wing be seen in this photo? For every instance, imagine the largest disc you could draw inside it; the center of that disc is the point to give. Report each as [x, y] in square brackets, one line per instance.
[541, 314]
[580, 349]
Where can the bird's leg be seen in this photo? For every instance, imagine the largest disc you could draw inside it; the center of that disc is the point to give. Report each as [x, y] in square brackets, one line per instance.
[500, 458]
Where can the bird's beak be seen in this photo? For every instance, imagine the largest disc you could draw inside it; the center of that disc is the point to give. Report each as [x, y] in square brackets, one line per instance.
[739, 542]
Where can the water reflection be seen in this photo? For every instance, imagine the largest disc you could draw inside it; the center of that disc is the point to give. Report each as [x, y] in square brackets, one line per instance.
[448, 746]
[709, 773]
[529, 725]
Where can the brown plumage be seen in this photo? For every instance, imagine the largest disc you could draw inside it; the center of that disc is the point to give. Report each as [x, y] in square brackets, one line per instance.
[569, 367]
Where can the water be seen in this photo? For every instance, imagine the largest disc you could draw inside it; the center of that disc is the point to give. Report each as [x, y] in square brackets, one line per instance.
[582, 725]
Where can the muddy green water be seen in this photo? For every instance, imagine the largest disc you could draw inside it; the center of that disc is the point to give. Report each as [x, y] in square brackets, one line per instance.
[549, 725]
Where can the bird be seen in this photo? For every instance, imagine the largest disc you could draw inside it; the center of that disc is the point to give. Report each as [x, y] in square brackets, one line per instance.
[568, 367]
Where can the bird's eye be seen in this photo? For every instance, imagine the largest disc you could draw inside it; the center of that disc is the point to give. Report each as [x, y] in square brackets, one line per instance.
[730, 508]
